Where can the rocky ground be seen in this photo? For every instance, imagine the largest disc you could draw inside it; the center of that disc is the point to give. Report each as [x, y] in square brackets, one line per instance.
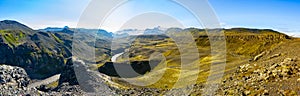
[254, 79]
[248, 79]
[15, 81]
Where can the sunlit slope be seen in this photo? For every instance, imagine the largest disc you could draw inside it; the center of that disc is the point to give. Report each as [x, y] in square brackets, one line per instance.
[275, 72]
[242, 45]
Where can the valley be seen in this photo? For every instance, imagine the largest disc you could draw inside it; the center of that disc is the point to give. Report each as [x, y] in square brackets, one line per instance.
[256, 60]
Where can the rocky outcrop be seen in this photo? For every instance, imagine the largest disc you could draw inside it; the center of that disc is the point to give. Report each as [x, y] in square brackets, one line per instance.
[40, 63]
[15, 81]
[41, 54]
[252, 79]
[14, 76]
[68, 75]
[271, 37]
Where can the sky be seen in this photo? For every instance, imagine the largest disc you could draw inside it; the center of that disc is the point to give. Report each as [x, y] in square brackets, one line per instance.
[280, 15]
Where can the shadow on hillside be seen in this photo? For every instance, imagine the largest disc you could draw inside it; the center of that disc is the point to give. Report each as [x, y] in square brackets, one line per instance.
[128, 70]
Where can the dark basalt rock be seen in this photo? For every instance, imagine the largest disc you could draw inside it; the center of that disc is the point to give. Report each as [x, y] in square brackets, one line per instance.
[68, 75]
[37, 65]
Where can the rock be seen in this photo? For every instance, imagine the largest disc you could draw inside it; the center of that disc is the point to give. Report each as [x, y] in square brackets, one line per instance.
[14, 81]
[247, 92]
[274, 66]
[252, 81]
[244, 68]
[69, 89]
[258, 56]
[13, 76]
[275, 55]
[68, 75]
[287, 61]
[266, 92]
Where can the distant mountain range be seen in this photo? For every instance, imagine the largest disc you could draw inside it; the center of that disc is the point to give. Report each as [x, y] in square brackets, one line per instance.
[118, 34]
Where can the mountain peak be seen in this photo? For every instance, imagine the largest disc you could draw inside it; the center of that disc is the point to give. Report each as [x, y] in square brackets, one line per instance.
[9, 22]
[13, 25]
[66, 27]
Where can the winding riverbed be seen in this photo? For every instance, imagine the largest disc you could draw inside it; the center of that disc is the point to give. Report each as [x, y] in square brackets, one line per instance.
[114, 58]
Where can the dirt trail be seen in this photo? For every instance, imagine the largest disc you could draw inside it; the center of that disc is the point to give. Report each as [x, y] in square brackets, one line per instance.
[45, 81]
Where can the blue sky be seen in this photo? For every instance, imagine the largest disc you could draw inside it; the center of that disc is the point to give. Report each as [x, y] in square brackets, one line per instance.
[281, 15]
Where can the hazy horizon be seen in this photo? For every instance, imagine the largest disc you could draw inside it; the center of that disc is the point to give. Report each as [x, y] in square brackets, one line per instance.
[137, 28]
[279, 15]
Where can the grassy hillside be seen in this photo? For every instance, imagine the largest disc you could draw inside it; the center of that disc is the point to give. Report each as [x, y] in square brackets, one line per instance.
[276, 72]
[12, 37]
[242, 47]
